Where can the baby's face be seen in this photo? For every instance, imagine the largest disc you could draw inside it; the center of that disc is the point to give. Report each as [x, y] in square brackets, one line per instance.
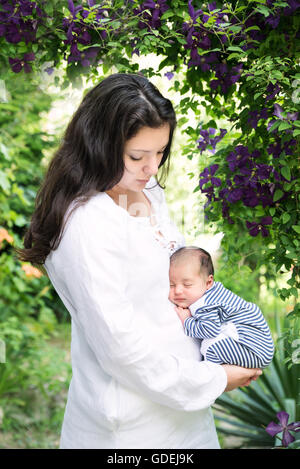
[186, 284]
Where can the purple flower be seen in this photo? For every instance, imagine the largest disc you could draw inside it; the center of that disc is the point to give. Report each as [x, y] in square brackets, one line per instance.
[278, 111]
[157, 9]
[275, 149]
[234, 194]
[238, 157]
[250, 198]
[256, 228]
[293, 6]
[284, 427]
[88, 56]
[206, 139]
[169, 75]
[273, 90]
[194, 14]
[18, 64]
[225, 79]
[255, 116]
[208, 176]
[273, 20]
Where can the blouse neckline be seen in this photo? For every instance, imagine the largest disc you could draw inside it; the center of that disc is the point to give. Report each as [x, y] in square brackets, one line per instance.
[148, 218]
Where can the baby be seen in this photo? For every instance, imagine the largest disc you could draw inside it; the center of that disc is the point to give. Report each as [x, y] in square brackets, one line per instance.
[232, 330]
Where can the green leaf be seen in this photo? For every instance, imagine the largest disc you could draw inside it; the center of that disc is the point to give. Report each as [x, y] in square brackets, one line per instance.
[286, 172]
[272, 211]
[275, 125]
[235, 48]
[284, 126]
[296, 228]
[285, 217]
[4, 181]
[234, 55]
[257, 95]
[167, 14]
[296, 132]
[252, 28]
[263, 10]
[278, 194]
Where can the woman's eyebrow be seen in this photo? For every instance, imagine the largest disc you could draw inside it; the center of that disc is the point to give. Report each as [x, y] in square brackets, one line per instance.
[148, 151]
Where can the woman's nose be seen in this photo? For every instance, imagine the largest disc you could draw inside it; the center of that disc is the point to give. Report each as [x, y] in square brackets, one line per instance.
[151, 168]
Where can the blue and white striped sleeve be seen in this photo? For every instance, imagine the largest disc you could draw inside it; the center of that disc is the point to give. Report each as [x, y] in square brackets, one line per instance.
[204, 324]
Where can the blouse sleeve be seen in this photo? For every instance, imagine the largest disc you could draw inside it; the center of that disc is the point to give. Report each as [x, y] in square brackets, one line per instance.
[92, 268]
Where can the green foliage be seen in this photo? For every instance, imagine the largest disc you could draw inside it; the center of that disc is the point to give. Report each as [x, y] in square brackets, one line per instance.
[28, 309]
[246, 412]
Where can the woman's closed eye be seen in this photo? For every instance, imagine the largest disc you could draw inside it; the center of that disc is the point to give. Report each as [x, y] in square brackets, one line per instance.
[134, 158]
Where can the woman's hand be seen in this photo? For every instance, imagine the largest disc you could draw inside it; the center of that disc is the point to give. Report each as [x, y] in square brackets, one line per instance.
[238, 376]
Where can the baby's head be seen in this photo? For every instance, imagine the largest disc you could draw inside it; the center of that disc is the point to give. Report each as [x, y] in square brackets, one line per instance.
[191, 274]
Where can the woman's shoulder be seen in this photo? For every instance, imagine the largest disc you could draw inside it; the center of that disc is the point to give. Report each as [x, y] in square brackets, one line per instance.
[98, 212]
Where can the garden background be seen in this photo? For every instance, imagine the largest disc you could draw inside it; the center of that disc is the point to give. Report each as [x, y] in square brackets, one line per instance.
[232, 71]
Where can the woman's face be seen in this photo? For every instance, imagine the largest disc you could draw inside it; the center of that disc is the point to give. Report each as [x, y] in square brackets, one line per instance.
[142, 156]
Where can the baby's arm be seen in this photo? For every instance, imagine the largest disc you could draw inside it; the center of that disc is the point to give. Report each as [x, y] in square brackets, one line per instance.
[204, 324]
[183, 313]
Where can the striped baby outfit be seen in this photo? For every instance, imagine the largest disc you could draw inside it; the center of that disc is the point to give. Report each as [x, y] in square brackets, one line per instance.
[232, 330]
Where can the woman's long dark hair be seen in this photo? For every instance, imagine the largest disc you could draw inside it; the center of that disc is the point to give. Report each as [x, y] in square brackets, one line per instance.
[90, 157]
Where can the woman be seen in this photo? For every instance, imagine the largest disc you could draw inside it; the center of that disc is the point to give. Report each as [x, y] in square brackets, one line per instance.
[101, 229]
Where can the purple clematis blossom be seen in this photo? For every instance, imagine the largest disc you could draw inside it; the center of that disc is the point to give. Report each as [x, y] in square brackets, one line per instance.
[206, 139]
[255, 116]
[238, 158]
[208, 175]
[157, 8]
[278, 111]
[273, 20]
[273, 90]
[256, 228]
[234, 194]
[275, 149]
[169, 75]
[194, 14]
[18, 64]
[283, 427]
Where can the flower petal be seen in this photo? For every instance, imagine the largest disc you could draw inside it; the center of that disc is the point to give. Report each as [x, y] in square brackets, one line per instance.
[282, 416]
[273, 428]
[287, 438]
[268, 221]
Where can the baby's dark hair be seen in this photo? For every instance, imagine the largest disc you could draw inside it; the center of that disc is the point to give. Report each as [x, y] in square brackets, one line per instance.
[205, 261]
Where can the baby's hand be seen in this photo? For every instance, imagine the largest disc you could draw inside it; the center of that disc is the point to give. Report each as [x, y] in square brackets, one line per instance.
[183, 313]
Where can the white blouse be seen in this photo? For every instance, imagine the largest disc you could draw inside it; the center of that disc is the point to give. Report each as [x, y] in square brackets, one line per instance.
[137, 380]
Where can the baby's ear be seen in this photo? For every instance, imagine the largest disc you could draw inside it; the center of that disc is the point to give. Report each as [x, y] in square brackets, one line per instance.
[210, 281]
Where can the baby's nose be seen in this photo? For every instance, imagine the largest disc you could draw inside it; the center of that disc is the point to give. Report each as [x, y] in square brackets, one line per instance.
[178, 289]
